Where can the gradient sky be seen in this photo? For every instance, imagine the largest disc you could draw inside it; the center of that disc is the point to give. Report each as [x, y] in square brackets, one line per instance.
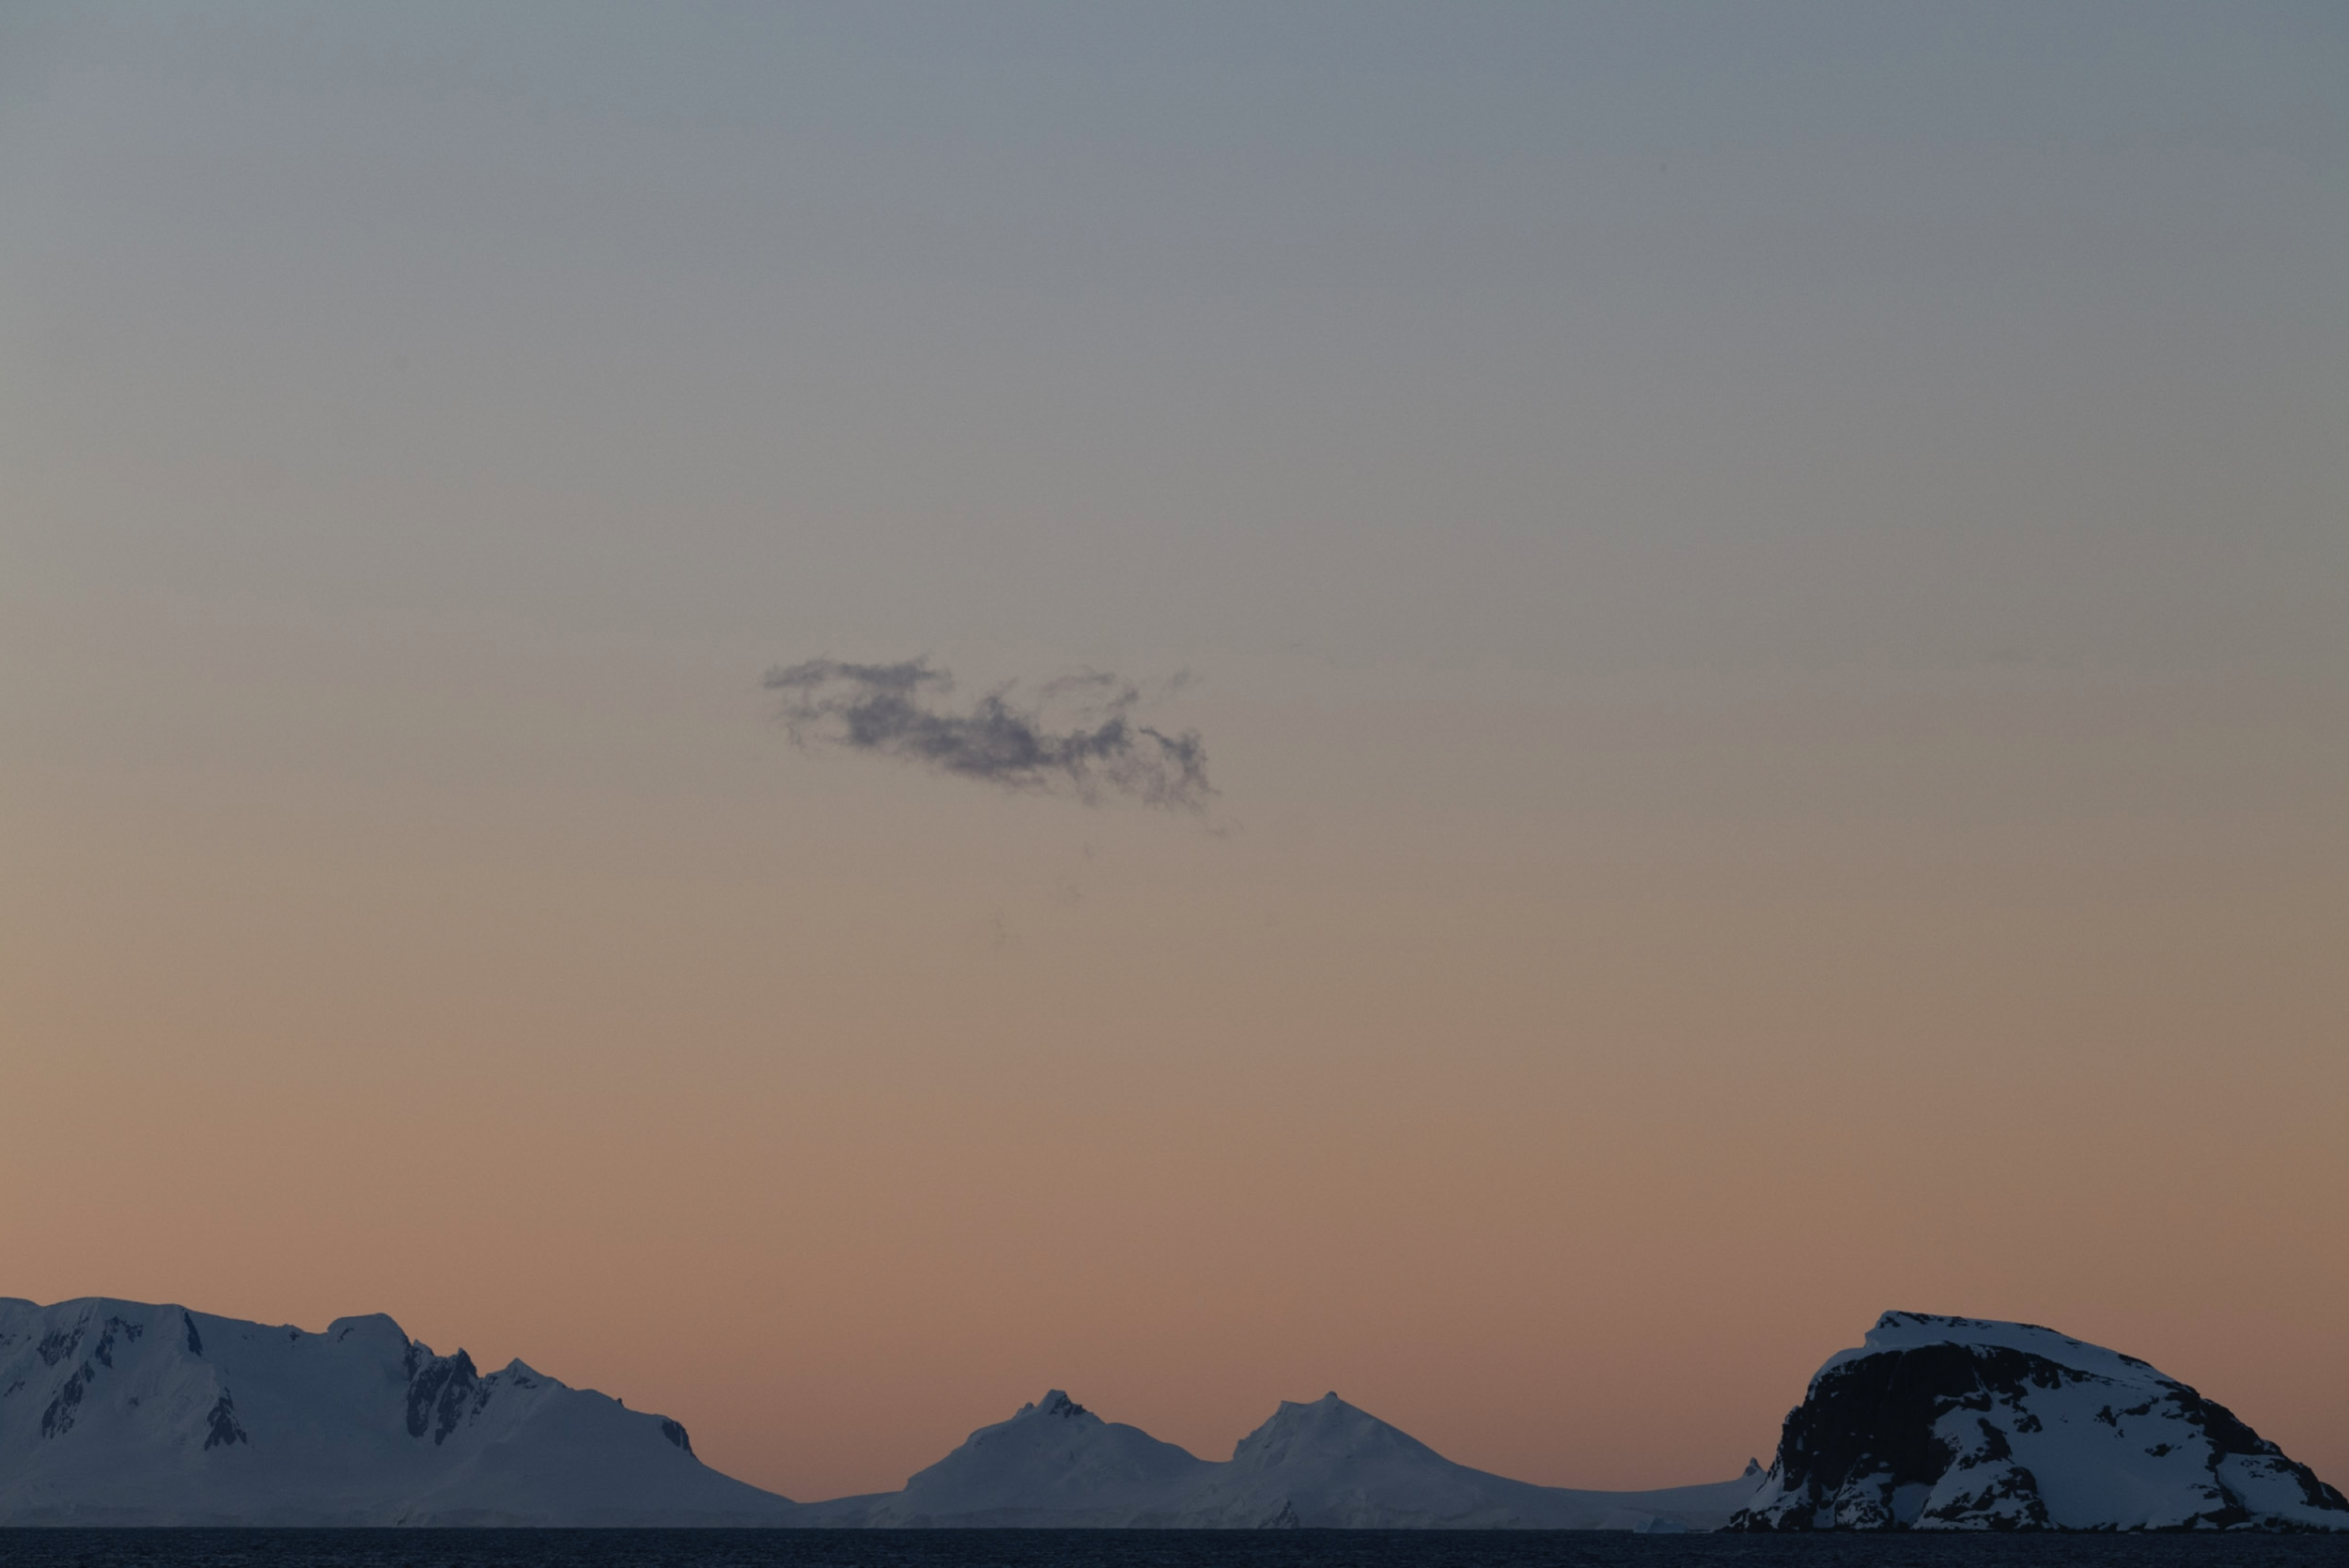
[1766, 587]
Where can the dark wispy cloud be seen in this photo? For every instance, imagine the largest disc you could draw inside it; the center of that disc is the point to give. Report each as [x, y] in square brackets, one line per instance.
[1076, 736]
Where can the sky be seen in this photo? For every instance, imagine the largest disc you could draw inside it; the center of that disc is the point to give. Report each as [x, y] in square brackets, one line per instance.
[1715, 637]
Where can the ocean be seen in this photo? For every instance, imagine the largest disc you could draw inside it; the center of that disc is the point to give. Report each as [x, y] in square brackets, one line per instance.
[1063, 1548]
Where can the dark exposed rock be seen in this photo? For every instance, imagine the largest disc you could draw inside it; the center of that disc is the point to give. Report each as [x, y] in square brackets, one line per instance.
[57, 1419]
[438, 1390]
[1935, 1424]
[104, 1354]
[223, 1422]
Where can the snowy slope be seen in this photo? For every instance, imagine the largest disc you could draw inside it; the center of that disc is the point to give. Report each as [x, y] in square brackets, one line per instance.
[119, 1412]
[1322, 1463]
[1955, 1423]
[1330, 1463]
[1054, 1463]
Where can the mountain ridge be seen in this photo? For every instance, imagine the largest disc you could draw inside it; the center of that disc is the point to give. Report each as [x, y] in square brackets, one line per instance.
[1320, 1464]
[124, 1412]
[116, 1412]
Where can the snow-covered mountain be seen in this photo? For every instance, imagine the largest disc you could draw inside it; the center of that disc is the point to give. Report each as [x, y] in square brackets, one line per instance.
[1323, 1464]
[1955, 1423]
[122, 1412]
[1054, 1463]
[119, 1412]
[1330, 1463]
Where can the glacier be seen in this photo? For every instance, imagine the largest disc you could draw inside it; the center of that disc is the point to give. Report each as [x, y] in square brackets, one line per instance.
[1955, 1423]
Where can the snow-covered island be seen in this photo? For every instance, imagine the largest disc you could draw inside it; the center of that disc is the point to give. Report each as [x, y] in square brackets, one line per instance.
[121, 1412]
[1955, 1423]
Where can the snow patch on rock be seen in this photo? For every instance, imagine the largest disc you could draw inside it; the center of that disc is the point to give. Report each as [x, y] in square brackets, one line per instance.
[1960, 1424]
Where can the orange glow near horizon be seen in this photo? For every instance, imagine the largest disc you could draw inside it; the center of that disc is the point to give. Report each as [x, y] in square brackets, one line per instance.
[1528, 1181]
[1767, 595]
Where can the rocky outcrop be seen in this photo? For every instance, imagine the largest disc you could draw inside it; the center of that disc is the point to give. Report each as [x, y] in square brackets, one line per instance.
[1953, 1424]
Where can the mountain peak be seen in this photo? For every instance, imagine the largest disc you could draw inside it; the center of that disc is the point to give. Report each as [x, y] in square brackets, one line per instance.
[1053, 1462]
[1055, 1404]
[1322, 1431]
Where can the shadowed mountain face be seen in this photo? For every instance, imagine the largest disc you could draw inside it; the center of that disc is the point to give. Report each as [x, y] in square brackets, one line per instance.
[1955, 1423]
[120, 1412]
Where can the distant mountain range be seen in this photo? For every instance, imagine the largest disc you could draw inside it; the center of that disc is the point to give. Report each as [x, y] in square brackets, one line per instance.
[119, 1412]
[1324, 1465]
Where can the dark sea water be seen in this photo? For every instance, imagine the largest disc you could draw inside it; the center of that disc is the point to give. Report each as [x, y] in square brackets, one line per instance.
[1041, 1548]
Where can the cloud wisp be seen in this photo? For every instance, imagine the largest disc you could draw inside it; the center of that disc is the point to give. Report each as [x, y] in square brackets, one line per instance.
[1077, 738]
